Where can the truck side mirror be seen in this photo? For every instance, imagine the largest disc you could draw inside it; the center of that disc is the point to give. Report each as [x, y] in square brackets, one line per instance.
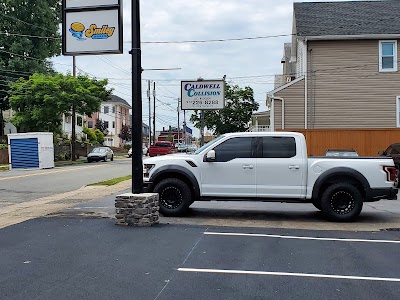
[210, 156]
[381, 153]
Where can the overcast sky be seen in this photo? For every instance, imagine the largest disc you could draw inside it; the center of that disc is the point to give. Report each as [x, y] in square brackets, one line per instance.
[254, 61]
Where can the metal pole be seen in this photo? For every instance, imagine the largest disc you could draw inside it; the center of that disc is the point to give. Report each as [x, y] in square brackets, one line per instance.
[137, 155]
[184, 127]
[202, 128]
[177, 109]
[154, 113]
[148, 95]
[73, 124]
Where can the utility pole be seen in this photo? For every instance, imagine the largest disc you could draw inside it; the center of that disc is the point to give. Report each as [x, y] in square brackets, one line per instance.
[201, 121]
[73, 134]
[177, 109]
[137, 153]
[154, 113]
[148, 95]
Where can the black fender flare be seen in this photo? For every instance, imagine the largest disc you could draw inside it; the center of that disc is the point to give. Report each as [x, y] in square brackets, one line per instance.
[337, 172]
[180, 170]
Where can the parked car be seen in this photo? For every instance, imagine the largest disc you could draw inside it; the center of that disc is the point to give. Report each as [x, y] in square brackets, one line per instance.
[182, 147]
[162, 148]
[341, 152]
[393, 151]
[191, 148]
[100, 153]
[145, 151]
[268, 166]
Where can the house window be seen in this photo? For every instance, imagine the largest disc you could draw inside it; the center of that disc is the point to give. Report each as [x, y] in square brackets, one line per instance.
[106, 124]
[90, 124]
[113, 109]
[387, 56]
[106, 109]
[113, 124]
[398, 111]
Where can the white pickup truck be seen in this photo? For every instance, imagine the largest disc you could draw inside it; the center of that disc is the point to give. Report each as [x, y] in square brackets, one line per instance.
[268, 166]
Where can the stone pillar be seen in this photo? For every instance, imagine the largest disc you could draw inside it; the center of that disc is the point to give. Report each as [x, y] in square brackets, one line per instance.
[137, 209]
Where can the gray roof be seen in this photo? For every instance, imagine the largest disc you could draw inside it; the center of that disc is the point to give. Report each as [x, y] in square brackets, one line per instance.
[117, 99]
[347, 18]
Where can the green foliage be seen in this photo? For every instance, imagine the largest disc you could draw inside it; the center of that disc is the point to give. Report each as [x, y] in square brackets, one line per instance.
[90, 135]
[99, 136]
[40, 101]
[101, 125]
[126, 133]
[22, 55]
[3, 146]
[239, 106]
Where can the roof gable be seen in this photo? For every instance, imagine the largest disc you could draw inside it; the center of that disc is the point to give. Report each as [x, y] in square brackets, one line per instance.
[347, 18]
[119, 100]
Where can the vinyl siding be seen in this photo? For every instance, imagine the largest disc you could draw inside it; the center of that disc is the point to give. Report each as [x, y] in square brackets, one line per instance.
[345, 88]
[294, 106]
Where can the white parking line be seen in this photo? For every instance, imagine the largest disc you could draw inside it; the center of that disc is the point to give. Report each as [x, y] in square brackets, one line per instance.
[300, 237]
[288, 274]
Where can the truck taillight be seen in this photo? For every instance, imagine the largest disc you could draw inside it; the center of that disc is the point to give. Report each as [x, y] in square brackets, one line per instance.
[390, 173]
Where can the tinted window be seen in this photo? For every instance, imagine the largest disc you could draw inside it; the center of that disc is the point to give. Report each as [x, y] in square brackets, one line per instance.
[278, 147]
[234, 148]
[163, 145]
[395, 149]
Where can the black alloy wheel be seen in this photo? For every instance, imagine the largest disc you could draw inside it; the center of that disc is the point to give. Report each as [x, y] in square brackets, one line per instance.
[175, 196]
[341, 202]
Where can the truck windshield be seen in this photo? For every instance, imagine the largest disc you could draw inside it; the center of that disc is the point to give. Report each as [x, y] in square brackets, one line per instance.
[209, 144]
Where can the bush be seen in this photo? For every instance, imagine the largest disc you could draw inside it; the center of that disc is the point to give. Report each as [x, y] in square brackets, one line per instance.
[3, 146]
[99, 136]
[91, 135]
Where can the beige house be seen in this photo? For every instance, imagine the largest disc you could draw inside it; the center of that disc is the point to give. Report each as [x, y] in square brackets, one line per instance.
[343, 70]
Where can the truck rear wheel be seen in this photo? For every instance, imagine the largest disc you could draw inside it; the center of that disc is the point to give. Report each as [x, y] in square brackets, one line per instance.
[175, 197]
[341, 202]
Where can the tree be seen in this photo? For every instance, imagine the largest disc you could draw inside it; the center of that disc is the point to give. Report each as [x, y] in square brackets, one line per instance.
[40, 101]
[102, 126]
[239, 106]
[22, 52]
[125, 134]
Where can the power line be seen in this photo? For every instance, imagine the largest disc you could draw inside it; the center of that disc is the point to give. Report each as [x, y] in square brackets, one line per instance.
[26, 23]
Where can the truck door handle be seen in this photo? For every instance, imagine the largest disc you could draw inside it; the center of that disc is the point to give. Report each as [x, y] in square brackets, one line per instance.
[248, 167]
[294, 167]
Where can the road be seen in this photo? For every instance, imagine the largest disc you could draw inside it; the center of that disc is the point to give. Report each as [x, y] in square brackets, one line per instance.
[62, 258]
[18, 186]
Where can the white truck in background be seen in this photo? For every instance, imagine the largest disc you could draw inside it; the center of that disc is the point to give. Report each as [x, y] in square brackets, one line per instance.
[268, 166]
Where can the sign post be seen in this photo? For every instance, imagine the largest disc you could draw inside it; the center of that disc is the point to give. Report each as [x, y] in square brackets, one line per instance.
[203, 95]
[92, 27]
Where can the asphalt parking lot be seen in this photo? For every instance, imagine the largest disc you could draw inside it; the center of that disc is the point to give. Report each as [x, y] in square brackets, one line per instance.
[91, 258]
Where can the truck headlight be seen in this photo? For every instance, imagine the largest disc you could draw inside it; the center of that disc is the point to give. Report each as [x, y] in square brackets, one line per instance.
[146, 169]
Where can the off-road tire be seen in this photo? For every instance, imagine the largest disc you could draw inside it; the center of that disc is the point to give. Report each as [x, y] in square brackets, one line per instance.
[341, 202]
[317, 204]
[175, 197]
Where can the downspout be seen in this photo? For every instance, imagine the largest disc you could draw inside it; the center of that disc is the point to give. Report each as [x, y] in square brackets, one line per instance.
[305, 87]
[273, 98]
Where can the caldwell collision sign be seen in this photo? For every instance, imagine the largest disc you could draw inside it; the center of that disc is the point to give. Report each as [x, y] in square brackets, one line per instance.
[92, 27]
[205, 94]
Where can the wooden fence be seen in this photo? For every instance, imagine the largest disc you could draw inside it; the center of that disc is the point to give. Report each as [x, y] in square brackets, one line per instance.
[367, 142]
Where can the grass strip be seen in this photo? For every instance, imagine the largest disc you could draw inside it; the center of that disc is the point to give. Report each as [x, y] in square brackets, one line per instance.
[4, 168]
[113, 181]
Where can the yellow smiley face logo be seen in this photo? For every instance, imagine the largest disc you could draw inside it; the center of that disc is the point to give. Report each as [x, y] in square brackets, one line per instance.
[77, 27]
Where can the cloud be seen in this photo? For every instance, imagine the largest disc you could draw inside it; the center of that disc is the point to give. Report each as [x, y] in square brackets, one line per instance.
[177, 20]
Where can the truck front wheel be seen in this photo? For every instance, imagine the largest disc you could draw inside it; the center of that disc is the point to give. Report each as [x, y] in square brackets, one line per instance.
[341, 202]
[174, 195]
